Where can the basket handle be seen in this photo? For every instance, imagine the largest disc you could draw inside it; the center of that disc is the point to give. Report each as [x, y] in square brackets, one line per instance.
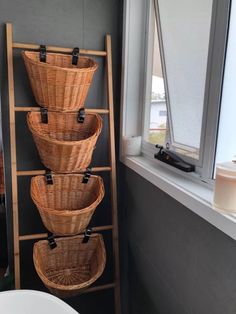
[42, 53]
[75, 55]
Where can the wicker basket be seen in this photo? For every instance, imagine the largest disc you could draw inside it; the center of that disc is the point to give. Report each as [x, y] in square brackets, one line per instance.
[64, 145]
[57, 84]
[72, 266]
[66, 206]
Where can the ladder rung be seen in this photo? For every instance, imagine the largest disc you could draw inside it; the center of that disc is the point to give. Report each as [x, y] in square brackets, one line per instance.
[91, 110]
[99, 288]
[60, 49]
[40, 172]
[44, 235]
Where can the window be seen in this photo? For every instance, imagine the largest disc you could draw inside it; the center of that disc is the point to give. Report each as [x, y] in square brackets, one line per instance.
[174, 54]
[180, 79]
[187, 99]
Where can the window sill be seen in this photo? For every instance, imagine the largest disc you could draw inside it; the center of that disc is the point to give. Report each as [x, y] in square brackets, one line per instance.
[193, 195]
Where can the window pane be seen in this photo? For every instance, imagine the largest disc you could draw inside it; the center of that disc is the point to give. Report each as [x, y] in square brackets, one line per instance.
[226, 147]
[158, 110]
[185, 26]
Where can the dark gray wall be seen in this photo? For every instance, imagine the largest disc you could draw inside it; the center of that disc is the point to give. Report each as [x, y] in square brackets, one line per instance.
[178, 263]
[69, 23]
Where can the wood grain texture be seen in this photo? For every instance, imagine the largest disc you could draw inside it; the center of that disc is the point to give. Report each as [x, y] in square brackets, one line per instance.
[60, 49]
[37, 109]
[38, 236]
[39, 172]
[13, 154]
[113, 173]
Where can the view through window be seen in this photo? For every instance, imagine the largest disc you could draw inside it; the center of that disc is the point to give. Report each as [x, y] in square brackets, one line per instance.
[158, 109]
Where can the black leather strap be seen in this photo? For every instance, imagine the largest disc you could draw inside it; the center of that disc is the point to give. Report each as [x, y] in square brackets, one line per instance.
[42, 53]
[75, 55]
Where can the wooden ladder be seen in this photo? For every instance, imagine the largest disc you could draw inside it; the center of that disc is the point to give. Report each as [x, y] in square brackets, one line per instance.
[16, 173]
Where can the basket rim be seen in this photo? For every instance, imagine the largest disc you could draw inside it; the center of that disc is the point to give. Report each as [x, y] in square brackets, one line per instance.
[69, 143]
[69, 213]
[25, 54]
[52, 284]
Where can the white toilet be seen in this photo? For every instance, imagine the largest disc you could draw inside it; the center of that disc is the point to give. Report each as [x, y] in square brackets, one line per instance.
[32, 302]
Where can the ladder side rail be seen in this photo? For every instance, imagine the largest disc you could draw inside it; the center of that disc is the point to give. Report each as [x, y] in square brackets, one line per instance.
[15, 213]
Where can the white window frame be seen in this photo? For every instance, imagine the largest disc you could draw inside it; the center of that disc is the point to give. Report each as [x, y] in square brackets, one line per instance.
[213, 87]
[186, 188]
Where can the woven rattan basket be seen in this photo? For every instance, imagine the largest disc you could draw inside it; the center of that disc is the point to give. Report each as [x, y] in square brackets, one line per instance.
[72, 266]
[64, 145]
[57, 84]
[66, 206]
